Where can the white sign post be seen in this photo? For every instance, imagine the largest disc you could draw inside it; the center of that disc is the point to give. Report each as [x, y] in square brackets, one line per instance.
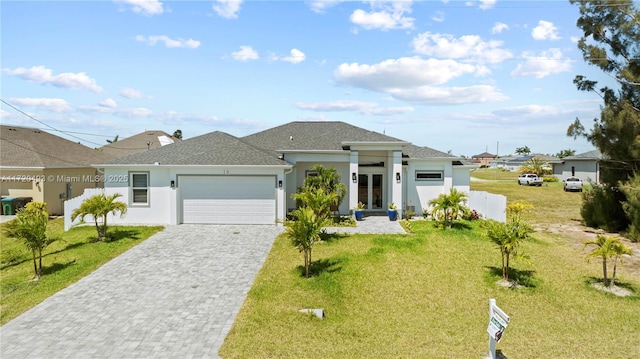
[498, 321]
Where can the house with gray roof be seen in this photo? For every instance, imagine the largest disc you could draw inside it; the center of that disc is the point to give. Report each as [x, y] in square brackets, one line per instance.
[585, 166]
[218, 178]
[44, 167]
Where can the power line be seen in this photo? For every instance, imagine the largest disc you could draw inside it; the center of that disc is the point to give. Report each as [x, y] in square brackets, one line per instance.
[45, 124]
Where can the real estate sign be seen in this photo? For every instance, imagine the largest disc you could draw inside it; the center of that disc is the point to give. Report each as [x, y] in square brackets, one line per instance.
[498, 321]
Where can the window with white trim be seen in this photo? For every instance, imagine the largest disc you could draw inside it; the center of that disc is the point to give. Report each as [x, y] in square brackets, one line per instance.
[139, 188]
[429, 175]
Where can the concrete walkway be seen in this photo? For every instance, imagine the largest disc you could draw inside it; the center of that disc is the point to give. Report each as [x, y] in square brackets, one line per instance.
[373, 225]
[175, 295]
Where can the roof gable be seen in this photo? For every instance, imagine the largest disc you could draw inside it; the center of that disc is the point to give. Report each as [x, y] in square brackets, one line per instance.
[31, 147]
[214, 148]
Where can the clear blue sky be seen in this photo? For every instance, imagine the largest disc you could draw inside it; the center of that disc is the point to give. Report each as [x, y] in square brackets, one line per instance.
[459, 76]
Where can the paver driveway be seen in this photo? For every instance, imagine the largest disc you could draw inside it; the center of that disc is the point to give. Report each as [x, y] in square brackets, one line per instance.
[175, 295]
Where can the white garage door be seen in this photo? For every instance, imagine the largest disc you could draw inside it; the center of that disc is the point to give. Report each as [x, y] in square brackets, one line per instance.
[228, 199]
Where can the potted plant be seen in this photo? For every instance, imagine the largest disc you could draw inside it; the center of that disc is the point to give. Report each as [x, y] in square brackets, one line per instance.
[359, 211]
[392, 212]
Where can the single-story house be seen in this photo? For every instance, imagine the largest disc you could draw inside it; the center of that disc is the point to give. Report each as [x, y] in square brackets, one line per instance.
[46, 168]
[483, 159]
[515, 163]
[585, 166]
[144, 141]
[221, 179]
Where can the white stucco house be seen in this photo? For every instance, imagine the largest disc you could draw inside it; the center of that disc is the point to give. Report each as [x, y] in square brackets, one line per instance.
[217, 178]
[585, 166]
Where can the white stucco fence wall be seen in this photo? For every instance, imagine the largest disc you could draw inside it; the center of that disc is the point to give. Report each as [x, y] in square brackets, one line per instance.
[489, 205]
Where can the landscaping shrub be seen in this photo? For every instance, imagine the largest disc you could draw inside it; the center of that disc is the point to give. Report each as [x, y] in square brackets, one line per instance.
[601, 209]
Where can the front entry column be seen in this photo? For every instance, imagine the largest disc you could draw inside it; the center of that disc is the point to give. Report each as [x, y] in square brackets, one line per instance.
[396, 181]
[353, 185]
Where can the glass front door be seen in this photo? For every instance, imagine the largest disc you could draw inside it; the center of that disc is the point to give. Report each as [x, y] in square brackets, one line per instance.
[370, 190]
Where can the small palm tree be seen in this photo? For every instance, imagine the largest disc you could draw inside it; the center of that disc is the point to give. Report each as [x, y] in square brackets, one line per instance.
[328, 179]
[30, 226]
[99, 207]
[508, 237]
[449, 207]
[608, 247]
[304, 231]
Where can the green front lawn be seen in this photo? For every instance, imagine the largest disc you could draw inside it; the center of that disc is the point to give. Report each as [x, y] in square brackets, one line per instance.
[64, 262]
[425, 295]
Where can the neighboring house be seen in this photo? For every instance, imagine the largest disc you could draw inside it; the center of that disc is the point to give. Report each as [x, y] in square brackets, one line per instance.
[483, 160]
[515, 163]
[45, 167]
[220, 179]
[585, 166]
[145, 141]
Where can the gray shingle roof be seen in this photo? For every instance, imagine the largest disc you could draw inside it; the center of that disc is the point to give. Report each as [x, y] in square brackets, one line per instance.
[591, 155]
[145, 141]
[213, 149]
[314, 136]
[416, 152]
[329, 136]
[31, 147]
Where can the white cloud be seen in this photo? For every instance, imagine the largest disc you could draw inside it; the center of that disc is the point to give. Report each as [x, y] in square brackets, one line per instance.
[468, 47]
[430, 95]
[108, 103]
[144, 7]
[545, 30]
[245, 53]
[385, 15]
[43, 75]
[336, 106]
[120, 112]
[130, 93]
[499, 27]
[319, 6]
[296, 57]
[575, 39]
[415, 80]
[169, 42]
[438, 16]
[402, 72]
[546, 63]
[531, 111]
[6, 115]
[227, 8]
[487, 4]
[52, 104]
[388, 111]
[364, 108]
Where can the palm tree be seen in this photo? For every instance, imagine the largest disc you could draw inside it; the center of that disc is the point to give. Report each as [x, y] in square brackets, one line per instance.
[99, 207]
[329, 180]
[449, 207]
[607, 247]
[508, 236]
[537, 166]
[30, 225]
[304, 231]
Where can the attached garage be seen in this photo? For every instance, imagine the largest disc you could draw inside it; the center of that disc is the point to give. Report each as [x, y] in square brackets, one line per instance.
[228, 199]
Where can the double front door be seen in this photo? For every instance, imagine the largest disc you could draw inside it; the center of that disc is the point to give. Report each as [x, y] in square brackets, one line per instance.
[371, 190]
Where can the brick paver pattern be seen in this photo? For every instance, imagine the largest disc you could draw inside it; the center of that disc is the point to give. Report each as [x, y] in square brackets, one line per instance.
[176, 295]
